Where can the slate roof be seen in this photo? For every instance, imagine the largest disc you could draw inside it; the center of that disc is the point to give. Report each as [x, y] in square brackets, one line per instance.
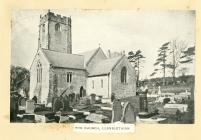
[105, 66]
[64, 60]
[88, 55]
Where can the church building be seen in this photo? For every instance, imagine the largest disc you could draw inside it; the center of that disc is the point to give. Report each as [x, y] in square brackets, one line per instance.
[55, 69]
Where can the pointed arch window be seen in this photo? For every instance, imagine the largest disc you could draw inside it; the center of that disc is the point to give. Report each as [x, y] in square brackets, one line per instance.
[123, 75]
[57, 27]
[39, 72]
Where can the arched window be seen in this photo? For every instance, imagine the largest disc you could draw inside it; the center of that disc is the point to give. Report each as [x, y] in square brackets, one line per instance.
[69, 77]
[57, 27]
[39, 72]
[123, 75]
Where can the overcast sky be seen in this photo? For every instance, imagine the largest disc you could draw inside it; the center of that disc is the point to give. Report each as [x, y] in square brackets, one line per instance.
[114, 30]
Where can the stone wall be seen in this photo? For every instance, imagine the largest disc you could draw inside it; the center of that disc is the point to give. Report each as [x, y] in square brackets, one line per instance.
[45, 76]
[58, 81]
[43, 35]
[96, 58]
[98, 89]
[123, 90]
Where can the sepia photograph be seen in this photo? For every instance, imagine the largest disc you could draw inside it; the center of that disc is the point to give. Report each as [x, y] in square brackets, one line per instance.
[102, 66]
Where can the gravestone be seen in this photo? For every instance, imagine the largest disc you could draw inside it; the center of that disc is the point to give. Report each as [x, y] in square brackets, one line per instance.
[116, 111]
[22, 101]
[58, 104]
[72, 98]
[30, 106]
[159, 90]
[98, 99]
[93, 98]
[129, 114]
[85, 101]
[77, 97]
[67, 104]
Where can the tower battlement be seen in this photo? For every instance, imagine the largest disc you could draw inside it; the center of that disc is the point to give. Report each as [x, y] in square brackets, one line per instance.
[55, 17]
[55, 32]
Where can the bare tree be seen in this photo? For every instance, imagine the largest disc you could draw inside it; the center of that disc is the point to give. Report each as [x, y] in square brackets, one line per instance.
[176, 50]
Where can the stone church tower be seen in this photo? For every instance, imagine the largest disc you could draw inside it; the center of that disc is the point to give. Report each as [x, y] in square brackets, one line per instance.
[55, 33]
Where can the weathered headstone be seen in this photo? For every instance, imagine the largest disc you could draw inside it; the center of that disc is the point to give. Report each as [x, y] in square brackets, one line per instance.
[67, 104]
[116, 111]
[129, 114]
[85, 101]
[22, 101]
[77, 97]
[159, 90]
[93, 98]
[58, 104]
[30, 106]
[71, 98]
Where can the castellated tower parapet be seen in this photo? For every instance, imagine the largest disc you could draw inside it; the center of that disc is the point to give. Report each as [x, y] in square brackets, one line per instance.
[55, 33]
[55, 17]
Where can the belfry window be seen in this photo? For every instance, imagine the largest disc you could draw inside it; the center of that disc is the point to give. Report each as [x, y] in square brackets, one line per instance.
[39, 72]
[57, 27]
[123, 75]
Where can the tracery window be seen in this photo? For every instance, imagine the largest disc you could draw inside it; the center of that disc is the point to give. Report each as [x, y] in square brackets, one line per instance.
[39, 72]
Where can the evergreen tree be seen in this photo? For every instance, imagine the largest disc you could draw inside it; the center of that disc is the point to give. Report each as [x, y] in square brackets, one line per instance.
[187, 56]
[161, 60]
[136, 58]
